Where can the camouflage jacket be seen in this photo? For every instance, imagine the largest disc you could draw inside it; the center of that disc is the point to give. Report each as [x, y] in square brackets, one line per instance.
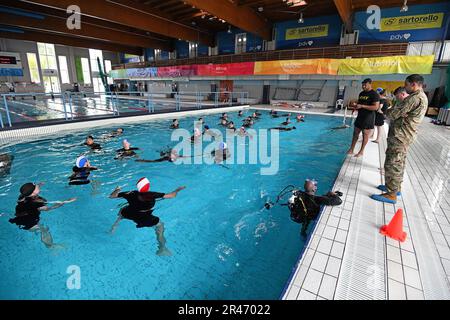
[406, 116]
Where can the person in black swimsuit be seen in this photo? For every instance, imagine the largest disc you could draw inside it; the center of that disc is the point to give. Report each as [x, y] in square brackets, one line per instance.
[368, 103]
[287, 122]
[91, 144]
[81, 172]
[175, 124]
[140, 210]
[381, 112]
[170, 155]
[284, 128]
[28, 210]
[126, 151]
[222, 153]
[5, 164]
[274, 114]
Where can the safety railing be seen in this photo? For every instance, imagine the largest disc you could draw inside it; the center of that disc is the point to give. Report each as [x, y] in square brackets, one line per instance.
[66, 106]
[336, 52]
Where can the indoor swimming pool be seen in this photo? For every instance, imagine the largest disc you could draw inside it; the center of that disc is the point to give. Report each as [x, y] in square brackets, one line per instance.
[224, 243]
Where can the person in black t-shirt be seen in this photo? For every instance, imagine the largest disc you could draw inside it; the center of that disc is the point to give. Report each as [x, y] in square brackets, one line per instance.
[91, 144]
[368, 103]
[28, 210]
[126, 151]
[380, 113]
[140, 210]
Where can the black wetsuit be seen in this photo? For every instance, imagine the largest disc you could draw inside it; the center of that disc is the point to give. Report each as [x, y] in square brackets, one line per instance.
[225, 154]
[94, 146]
[366, 118]
[27, 212]
[122, 153]
[307, 207]
[174, 126]
[285, 123]
[379, 117]
[140, 207]
[284, 129]
[80, 176]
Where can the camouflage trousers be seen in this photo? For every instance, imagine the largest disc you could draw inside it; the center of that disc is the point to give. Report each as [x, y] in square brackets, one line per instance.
[394, 165]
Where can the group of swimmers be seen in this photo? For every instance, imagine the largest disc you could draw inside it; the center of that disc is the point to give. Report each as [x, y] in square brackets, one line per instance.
[141, 201]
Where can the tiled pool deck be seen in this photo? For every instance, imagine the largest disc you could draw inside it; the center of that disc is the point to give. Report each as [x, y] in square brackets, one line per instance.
[346, 256]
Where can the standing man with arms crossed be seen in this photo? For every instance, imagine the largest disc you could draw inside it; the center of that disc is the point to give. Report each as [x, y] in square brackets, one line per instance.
[368, 104]
[405, 118]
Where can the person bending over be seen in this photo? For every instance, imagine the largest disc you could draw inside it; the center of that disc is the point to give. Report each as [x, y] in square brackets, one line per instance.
[140, 210]
[305, 206]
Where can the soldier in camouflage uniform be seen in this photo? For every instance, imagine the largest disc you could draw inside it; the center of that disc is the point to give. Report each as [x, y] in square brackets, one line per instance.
[405, 117]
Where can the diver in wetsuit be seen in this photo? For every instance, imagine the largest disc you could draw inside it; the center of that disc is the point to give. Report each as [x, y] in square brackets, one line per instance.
[5, 164]
[28, 210]
[126, 151]
[274, 114]
[305, 206]
[81, 172]
[140, 210]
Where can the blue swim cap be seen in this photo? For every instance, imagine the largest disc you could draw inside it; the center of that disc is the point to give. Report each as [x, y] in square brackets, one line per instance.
[81, 161]
[206, 127]
[222, 145]
[379, 90]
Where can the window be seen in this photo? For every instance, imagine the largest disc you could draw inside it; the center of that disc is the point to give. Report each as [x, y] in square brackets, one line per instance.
[86, 70]
[63, 70]
[33, 67]
[108, 69]
[193, 50]
[95, 56]
[241, 43]
[49, 66]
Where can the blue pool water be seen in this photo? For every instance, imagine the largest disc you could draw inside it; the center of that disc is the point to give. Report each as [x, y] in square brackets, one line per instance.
[224, 246]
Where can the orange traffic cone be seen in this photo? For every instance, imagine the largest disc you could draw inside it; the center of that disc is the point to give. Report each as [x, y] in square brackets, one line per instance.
[394, 229]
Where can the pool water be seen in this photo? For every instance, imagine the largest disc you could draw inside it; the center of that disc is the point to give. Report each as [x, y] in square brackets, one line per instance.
[224, 245]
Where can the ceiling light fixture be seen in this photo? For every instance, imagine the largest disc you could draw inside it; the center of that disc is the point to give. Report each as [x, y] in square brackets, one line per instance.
[229, 29]
[260, 9]
[404, 8]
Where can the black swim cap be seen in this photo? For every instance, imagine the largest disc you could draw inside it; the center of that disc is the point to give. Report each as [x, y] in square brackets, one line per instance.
[27, 189]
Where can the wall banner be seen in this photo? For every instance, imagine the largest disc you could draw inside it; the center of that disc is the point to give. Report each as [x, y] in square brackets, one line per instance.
[227, 69]
[421, 21]
[307, 32]
[387, 65]
[307, 66]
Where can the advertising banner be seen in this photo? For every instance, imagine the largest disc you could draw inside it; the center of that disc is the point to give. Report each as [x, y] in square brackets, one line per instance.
[307, 32]
[386, 65]
[177, 71]
[309, 66]
[227, 69]
[142, 73]
[421, 21]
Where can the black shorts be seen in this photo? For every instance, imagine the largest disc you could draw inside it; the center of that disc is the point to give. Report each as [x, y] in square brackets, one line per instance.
[379, 119]
[142, 220]
[365, 122]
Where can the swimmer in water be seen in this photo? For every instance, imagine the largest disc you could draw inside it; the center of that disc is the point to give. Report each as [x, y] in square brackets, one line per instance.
[5, 164]
[91, 144]
[248, 122]
[288, 121]
[201, 121]
[255, 115]
[223, 123]
[283, 128]
[126, 151]
[231, 126]
[243, 133]
[197, 135]
[28, 210]
[300, 118]
[224, 116]
[240, 113]
[208, 131]
[81, 171]
[274, 114]
[221, 153]
[170, 156]
[175, 124]
[140, 210]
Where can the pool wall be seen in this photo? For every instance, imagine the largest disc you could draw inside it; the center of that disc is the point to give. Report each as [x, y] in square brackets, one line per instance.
[9, 137]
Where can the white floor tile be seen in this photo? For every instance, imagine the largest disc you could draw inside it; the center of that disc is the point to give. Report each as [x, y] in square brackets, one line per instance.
[325, 246]
[412, 278]
[333, 266]
[319, 262]
[396, 290]
[312, 281]
[328, 287]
